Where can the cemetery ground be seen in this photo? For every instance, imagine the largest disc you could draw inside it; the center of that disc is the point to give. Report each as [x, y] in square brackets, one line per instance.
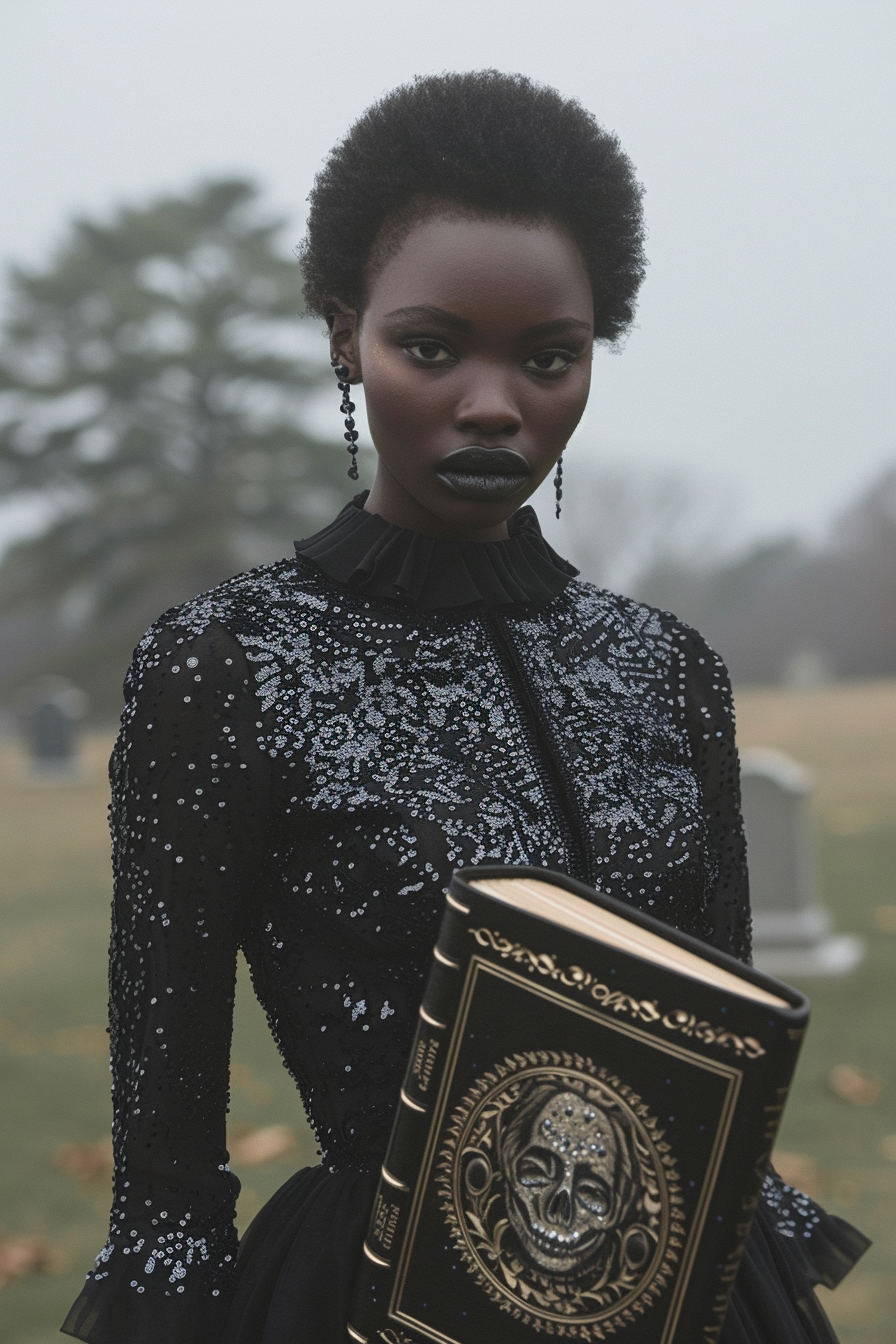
[839, 1135]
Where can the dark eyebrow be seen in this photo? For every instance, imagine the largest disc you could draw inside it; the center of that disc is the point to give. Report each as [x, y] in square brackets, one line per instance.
[439, 315]
[558, 327]
[455, 323]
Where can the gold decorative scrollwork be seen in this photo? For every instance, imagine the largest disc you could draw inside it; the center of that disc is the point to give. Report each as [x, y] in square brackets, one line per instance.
[643, 1010]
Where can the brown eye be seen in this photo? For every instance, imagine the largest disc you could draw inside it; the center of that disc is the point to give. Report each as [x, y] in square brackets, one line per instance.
[549, 361]
[430, 352]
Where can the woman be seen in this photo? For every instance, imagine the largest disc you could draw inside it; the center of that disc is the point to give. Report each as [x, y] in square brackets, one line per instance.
[308, 750]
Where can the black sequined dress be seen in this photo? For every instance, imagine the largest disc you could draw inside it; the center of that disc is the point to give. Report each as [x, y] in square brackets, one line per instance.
[306, 753]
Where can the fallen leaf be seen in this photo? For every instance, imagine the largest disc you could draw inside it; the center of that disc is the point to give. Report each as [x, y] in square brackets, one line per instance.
[854, 1085]
[798, 1169]
[250, 1148]
[887, 1147]
[885, 918]
[85, 1161]
[21, 1256]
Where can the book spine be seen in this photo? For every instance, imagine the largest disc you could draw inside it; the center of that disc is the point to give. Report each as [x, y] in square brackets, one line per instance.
[410, 1130]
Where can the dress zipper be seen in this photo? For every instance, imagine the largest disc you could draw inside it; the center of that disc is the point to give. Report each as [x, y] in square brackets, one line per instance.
[569, 818]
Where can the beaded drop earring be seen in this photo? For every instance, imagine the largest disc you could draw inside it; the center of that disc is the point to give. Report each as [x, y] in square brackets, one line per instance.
[347, 407]
[558, 483]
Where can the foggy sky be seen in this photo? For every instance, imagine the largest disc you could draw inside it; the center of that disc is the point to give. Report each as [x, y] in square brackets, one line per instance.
[763, 130]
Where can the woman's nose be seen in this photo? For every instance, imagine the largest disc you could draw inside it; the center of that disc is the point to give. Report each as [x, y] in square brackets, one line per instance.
[488, 409]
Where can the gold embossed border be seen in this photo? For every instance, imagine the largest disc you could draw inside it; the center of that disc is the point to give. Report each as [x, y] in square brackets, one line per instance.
[478, 966]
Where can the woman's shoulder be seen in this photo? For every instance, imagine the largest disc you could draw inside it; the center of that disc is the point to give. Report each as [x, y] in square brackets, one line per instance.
[634, 621]
[654, 650]
[247, 602]
[232, 622]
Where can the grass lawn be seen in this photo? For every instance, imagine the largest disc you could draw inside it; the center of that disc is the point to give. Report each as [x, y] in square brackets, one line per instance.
[847, 736]
[54, 903]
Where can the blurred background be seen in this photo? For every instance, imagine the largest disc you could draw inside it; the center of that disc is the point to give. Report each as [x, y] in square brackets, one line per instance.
[168, 418]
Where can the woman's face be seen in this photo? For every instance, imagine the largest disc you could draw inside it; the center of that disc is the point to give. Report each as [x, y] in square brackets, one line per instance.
[475, 353]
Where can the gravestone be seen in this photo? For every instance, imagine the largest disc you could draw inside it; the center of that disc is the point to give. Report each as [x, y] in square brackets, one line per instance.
[50, 711]
[792, 933]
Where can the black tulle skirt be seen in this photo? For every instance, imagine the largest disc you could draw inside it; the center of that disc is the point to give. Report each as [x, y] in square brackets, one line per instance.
[299, 1257]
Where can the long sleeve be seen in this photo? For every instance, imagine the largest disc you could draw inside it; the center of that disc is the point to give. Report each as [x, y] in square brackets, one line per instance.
[188, 809]
[709, 714]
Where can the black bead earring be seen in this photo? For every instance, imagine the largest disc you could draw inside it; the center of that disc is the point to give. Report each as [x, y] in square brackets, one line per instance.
[558, 483]
[347, 408]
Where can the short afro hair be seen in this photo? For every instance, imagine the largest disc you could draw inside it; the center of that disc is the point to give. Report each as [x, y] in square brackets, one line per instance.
[488, 143]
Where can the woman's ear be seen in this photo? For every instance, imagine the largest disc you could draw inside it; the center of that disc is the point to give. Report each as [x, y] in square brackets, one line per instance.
[343, 324]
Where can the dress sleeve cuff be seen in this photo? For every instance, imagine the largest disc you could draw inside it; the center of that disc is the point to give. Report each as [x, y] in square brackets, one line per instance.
[111, 1312]
[825, 1246]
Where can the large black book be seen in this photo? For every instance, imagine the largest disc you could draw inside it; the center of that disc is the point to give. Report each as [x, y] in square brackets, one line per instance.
[587, 1116]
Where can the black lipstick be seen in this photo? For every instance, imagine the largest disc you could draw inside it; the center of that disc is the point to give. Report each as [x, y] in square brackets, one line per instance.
[484, 473]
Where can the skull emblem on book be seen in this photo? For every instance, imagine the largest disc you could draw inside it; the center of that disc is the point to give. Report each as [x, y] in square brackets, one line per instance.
[569, 1179]
[559, 1190]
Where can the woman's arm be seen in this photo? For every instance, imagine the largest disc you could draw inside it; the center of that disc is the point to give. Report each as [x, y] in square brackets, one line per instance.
[188, 808]
[709, 715]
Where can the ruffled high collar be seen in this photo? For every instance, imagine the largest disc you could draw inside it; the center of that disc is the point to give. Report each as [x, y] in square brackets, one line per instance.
[381, 559]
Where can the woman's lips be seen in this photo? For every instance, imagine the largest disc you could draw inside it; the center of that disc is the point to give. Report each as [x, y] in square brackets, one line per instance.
[484, 473]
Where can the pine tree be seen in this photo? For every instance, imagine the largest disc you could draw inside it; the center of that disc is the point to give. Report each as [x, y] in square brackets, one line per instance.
[152, 389]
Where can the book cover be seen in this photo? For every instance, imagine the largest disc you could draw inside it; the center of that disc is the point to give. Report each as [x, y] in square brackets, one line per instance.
[582, 1132]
